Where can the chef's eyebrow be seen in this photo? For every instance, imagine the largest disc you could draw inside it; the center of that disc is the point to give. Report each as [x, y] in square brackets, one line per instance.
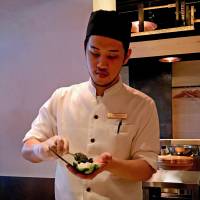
[110, 50]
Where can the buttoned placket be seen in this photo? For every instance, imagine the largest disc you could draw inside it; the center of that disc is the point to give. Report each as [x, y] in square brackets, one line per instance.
[94, 117]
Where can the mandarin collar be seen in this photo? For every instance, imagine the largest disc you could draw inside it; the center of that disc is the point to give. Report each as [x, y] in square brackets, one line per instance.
[110, 91]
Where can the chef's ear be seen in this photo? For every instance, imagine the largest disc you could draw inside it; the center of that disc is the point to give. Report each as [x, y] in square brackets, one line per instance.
[127, 56]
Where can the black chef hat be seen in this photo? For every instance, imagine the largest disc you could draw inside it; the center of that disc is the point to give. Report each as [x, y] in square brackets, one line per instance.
[109, 24]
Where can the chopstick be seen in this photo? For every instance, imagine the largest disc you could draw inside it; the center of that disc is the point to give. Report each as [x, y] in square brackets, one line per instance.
[60, 157]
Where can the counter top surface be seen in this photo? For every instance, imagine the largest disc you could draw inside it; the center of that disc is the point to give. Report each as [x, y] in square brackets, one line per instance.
[180, 141]
[175, 176]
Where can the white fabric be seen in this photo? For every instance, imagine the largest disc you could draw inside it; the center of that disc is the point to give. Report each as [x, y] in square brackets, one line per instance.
[42, 151]
[70, 113]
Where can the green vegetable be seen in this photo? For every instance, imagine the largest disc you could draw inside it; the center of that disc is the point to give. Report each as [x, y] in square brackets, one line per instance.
[80, 157]
[84, 164]
[92, 168]
[86, 168]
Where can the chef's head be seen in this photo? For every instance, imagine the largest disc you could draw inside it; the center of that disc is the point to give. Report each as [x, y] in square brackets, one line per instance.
[109, 24]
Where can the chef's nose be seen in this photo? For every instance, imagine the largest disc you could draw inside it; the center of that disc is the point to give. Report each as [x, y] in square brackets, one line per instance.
[102, 62]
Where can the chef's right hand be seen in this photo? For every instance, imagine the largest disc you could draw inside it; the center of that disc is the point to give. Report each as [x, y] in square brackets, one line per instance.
[42, 150]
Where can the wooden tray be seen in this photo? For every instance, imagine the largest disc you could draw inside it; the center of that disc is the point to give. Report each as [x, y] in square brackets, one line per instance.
[175, 162]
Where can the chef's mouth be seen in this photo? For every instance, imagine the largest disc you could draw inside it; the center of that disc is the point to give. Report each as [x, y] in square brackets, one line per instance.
[102, 73]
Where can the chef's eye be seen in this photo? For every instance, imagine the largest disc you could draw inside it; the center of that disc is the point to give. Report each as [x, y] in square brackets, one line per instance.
[95, 54]
[112, 56]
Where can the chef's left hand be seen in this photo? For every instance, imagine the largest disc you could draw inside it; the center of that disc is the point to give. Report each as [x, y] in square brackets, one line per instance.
[104, 159]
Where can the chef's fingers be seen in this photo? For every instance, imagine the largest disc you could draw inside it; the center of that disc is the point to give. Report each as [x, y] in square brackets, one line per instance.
[66, 146]
[62, 146]
[105, 158]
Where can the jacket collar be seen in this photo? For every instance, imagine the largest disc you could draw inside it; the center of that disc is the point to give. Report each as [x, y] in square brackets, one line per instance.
[108, 92]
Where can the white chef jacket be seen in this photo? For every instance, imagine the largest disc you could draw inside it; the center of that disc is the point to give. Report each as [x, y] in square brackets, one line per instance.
[76, 113]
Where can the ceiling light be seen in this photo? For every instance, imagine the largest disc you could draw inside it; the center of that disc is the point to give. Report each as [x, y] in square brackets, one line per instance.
[170, 59]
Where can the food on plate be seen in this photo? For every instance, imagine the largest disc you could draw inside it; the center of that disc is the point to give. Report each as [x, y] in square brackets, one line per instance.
[82, 158]
[86, 167]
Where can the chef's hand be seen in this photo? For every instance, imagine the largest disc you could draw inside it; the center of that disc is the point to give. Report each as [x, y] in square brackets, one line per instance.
[104, 159]
[59, 144]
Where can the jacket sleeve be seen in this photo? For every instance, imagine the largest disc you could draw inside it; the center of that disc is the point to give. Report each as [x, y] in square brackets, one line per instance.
[45, 124]
[146, 143]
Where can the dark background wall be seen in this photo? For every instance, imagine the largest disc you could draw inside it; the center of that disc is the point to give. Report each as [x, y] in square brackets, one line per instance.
[21, 188]
[155, 79]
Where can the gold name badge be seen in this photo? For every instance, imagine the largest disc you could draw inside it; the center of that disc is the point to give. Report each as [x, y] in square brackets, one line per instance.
[117, 115]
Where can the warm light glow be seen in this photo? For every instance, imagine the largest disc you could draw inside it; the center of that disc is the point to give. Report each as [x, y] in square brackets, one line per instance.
[170, 59]
[148, 26]
[104, 5]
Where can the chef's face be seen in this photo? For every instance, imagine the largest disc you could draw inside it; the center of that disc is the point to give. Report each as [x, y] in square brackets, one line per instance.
[105, 57]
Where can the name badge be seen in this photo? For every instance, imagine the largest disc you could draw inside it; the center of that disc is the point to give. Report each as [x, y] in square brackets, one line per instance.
[117, 115]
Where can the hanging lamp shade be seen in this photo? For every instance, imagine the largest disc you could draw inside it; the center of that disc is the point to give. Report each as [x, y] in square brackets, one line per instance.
[148, 26]
[146, 18]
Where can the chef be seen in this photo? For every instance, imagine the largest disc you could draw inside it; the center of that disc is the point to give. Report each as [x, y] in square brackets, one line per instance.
[103, 118]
